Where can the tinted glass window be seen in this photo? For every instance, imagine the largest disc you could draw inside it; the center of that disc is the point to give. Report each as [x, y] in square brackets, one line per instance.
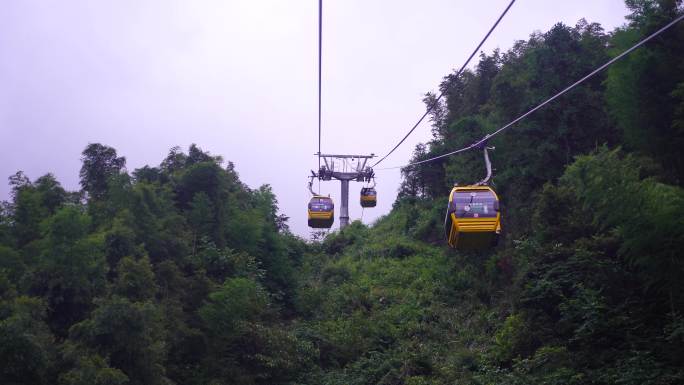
[321, 204]
[474, 204]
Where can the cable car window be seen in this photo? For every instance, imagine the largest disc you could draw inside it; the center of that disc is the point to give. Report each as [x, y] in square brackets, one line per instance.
[318, 204]
[474, 204]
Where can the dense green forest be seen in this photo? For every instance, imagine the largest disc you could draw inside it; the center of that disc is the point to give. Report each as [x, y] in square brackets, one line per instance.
[182, 274]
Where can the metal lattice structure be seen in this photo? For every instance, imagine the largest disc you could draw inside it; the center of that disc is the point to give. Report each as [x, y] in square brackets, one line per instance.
[344, 168]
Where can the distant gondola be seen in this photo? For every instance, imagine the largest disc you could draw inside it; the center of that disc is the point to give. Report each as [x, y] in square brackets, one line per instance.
[369, 197]
[473, 220]
[321, 212]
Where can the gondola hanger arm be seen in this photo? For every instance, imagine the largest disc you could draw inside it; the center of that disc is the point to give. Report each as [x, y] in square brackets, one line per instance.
[310, 185]
[488, 165]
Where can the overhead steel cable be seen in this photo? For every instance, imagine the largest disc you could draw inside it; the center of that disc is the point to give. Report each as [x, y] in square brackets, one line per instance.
[320, 71]
[483, 141]
[436, 101]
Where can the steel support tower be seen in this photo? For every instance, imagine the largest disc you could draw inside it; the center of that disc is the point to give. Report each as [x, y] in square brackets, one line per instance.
[344, 168]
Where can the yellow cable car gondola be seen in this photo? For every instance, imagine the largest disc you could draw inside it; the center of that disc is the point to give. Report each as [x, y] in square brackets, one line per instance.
[473, 219]
[369, 197]
[321, 212]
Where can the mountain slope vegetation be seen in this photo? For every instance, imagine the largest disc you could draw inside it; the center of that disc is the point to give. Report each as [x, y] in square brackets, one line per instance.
[182, 274]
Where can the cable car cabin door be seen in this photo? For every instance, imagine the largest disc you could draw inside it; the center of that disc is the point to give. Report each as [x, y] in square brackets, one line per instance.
[473, 220]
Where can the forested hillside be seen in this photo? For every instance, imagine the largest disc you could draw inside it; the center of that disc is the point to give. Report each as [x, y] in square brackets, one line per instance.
[182, 274]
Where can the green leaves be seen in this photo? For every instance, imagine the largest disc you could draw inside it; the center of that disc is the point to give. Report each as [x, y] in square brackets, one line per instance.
[130, 334]
[642, 88]
[646, 214]
[93, 370]
[27, 350]
[100, 163]
[135, 280]
[237, 300]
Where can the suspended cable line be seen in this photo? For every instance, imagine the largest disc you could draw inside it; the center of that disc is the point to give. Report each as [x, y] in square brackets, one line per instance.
[483, 141]
[436, 101]
[320, 71]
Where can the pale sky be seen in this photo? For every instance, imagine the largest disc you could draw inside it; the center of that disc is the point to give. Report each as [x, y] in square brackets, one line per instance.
[239, 79]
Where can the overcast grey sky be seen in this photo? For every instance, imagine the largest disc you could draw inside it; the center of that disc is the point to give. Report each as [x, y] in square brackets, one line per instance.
[239, 79]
